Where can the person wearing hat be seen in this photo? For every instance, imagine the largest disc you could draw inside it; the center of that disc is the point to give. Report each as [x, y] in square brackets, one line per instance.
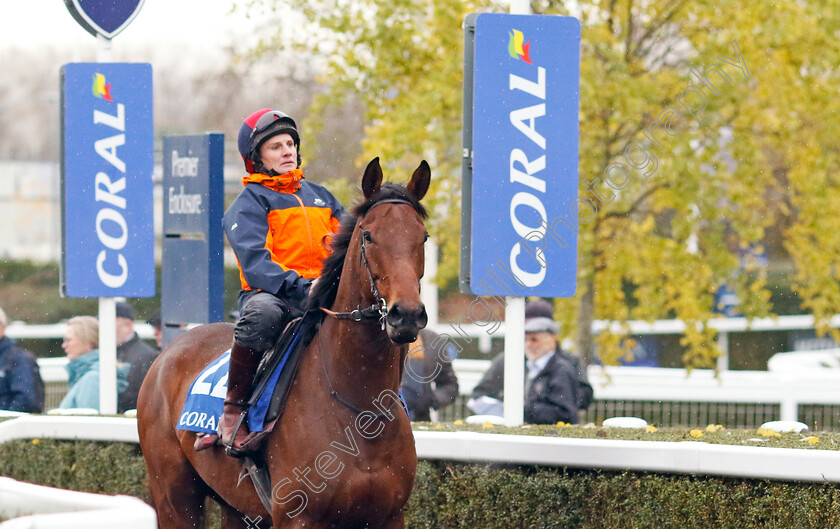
[278, 228]
[539, 318]
[156, 321]
[556, 389]
[133, 351]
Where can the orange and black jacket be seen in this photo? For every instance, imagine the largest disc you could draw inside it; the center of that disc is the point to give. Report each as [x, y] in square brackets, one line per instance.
[279, 228]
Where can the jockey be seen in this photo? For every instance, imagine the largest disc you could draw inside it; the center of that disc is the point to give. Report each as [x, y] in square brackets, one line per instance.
[278, 228]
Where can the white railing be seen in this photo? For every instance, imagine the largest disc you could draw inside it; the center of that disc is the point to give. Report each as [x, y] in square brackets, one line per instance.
[485, 332]
[36, 506]
[787, 389]
[89, 428]
[19, 330]
[649, 456]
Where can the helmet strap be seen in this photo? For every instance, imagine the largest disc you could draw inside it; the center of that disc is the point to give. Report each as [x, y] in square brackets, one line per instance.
[260, 168]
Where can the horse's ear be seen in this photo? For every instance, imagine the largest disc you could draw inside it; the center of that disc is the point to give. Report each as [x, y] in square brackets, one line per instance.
[419, 183]
[372, 178]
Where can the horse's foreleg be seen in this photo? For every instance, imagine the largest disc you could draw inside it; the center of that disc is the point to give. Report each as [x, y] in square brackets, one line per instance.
[178, 498]
[299, 522]
[177, 491]
[397, 522]
[233, 519]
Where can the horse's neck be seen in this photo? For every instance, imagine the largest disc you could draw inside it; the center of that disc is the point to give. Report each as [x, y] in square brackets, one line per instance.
[359, 354]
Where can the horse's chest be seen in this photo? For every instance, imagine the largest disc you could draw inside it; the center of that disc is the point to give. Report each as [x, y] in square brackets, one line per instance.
[370, 494]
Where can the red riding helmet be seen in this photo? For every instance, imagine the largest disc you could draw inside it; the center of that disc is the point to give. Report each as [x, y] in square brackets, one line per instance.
[260, 126]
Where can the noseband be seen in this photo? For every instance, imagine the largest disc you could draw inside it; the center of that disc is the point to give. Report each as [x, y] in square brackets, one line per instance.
[380, 309]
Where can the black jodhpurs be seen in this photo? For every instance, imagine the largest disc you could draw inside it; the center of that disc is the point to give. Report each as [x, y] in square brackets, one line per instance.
[263, 317]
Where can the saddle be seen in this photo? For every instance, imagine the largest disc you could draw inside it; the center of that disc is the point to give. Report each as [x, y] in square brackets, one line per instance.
[270, 388]
[278, 369]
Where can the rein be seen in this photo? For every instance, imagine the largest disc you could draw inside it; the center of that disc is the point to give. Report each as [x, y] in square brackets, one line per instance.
[377, 311]
[380, 309]
[337, 396]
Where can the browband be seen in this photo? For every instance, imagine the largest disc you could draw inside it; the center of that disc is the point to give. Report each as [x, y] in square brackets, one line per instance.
[391, 201]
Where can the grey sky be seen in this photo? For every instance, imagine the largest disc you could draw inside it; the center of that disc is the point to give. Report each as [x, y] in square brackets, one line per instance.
[32, 24]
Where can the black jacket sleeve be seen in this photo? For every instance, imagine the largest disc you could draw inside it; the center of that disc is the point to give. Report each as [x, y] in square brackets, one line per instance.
[553, 394]
[585, 393]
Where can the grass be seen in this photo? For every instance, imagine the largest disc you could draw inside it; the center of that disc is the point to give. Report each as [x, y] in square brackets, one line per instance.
[712, 434]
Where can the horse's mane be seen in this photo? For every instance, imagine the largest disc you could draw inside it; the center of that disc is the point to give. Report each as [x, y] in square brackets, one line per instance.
[324, 292]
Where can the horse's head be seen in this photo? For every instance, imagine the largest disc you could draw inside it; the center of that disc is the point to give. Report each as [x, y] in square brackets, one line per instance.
[390, 235]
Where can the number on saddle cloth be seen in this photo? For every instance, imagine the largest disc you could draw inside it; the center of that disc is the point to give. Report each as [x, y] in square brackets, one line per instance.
[205, 398]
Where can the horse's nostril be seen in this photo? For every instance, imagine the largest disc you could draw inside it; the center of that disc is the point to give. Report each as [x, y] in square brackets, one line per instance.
[399, 315]
[424, 318]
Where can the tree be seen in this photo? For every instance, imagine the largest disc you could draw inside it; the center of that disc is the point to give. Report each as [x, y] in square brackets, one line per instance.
[711, 166]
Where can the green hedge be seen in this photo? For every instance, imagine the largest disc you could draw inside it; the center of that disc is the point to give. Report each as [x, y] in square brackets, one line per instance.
[454, 495]
[108, 468]
[488, 496]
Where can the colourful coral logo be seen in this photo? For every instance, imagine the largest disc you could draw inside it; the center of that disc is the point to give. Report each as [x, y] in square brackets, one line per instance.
[517, 48]
[101, 89]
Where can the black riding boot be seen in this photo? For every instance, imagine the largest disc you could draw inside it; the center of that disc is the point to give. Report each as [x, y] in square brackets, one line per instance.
[243, 367]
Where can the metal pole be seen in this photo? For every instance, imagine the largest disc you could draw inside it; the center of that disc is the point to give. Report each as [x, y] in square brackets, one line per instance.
[514, 361]
[429, 290]
[723, 344]
[520, 7]
[107, 356]
[107, 310]
[515, 324]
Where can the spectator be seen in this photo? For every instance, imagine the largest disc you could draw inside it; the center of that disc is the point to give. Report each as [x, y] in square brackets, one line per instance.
[81, 345]
[133, 351]
[428, 379]
[556, 387]
[156, 322]
[21, 387]
[543, 309]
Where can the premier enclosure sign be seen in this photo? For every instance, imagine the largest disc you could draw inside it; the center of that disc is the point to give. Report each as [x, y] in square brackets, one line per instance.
[107, 158]
[524, 170]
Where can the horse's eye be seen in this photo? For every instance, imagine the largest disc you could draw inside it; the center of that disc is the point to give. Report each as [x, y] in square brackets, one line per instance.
[367, 237]
[426, 237]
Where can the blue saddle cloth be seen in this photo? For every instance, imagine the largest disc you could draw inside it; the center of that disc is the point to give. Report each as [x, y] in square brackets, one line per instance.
[205, 398]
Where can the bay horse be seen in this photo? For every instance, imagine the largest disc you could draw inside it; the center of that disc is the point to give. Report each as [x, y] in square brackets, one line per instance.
[342, 455]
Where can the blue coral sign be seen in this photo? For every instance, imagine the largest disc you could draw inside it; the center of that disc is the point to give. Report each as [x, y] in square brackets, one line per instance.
[104, 17]
[524, 155]
[107, 158]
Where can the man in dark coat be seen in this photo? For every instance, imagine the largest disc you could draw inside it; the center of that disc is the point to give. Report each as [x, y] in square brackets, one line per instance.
[133, 350]
[534, 311]
[556, 387]
[428, 379]
[18, 369]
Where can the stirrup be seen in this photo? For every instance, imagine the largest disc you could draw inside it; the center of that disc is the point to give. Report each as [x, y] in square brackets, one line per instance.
[230, 449]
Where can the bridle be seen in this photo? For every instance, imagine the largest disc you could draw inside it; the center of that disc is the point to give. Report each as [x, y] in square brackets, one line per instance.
[379, 310]
[376, 311]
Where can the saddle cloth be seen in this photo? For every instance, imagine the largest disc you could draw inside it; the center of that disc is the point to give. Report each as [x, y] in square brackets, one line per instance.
[205, 398]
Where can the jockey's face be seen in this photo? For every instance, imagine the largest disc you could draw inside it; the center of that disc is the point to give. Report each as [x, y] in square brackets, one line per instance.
[279, 153]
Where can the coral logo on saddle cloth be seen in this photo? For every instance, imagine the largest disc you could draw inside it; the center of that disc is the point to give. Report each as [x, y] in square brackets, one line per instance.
[205, 399]
[517, 48]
